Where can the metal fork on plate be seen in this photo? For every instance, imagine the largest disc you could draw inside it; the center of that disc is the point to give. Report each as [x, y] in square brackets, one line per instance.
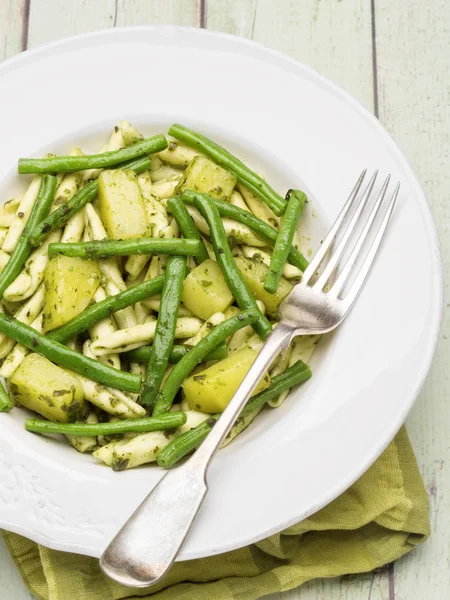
[147, 545]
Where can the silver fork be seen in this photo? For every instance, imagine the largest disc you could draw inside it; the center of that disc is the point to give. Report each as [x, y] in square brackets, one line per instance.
[147, 545]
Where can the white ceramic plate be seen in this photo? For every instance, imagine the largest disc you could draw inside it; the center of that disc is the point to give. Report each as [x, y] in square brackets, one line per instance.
[300, 130]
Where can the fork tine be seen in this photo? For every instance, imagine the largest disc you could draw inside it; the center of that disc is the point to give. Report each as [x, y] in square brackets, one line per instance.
[337, 254]
[329, 239]
[345, 273]
[366, 267]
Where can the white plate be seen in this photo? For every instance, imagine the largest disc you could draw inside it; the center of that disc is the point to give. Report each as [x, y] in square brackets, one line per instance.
[300, 130]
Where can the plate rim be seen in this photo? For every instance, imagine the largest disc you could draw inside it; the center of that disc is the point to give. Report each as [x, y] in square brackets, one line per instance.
[437, 272]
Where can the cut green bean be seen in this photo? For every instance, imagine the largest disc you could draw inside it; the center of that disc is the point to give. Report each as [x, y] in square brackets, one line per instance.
[143, 354]
[233, 276]
[187, 364]
[5, 403]
[61, 215]
[184, 443]
[187, 225]
[69, 359]
[165, 329]
[105, 248]
[162, 423]
[190, 440]
[296, 374]
[261, 228]
[296, 202]
[106, 160]
[226, 160]
[105, 308]
[23, 247]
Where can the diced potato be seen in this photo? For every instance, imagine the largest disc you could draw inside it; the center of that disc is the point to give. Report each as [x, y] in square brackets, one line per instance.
[254, 272]
[52, 392]
[211, 390]
[70, 284]
[121, 206]
[205, 290]
[203, 175]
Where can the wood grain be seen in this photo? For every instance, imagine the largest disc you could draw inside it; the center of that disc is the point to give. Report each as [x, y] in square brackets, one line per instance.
[413, 53]
[12, 31]
[81, 16]
[333, 37]
[395, 59]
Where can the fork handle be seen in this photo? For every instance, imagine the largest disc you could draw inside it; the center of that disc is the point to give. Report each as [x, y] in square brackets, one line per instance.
[147, 545]
[278, 340]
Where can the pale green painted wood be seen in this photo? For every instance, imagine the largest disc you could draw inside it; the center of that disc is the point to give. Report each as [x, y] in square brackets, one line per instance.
[52, 19]
[11, 585]
[333, 36]
[157, 12]
[10, 27]
[413, 52]
[330, 36]
[81, 16]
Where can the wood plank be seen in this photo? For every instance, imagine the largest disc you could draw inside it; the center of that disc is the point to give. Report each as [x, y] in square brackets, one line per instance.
[81, 16]
[413, 55]
[11, 27]
[158, 12]
[11, 584]
[332, 37]
[52, 19]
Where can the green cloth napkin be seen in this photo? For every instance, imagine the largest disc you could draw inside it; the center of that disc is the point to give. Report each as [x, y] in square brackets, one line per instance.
[380, 518]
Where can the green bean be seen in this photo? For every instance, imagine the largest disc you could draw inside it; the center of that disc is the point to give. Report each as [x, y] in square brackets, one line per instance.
[5, 403]
[297, 373]
[184, 443]
[61, 215]
[69, 359]
[198, 353]
[296, 202]
[106, 160]
[226, 160]
[188, 441]
[95, 313]
[233, 276]
[261, 228]
[143, 354]
[165, 329]
[138, 165]
[23, 247]
[162, 423]
[187, 225]
[106, 248]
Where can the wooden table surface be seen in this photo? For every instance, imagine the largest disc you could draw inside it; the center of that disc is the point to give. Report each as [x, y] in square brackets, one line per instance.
[394, 57]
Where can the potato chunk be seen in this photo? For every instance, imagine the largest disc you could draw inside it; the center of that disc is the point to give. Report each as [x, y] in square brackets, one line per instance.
[203, 175]
[52, 392]
[121, 205]
[70, 284]
[205, 290]
[211, 390]
[254, 272]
